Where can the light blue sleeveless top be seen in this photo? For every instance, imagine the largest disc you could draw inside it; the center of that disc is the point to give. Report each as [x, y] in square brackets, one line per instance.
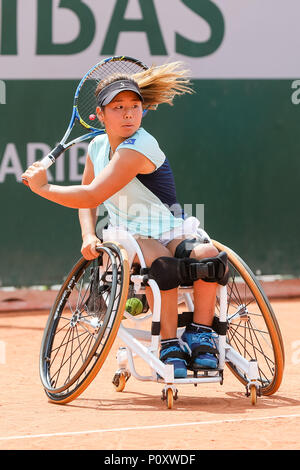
[135, 207]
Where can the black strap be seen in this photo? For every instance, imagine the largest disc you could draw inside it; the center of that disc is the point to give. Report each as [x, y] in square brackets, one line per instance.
[185, 318]
[203, 349]
[155, 328]
[174, 354]
[220, 327]
[210, 269]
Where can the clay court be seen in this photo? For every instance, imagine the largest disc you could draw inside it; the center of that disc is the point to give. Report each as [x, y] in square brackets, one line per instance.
[210, 416]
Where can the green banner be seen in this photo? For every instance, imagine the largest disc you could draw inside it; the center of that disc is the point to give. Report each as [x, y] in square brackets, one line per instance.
[233, 147]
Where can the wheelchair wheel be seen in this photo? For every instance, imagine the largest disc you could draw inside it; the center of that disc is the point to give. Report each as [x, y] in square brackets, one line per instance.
[253, 330]
[83, 323]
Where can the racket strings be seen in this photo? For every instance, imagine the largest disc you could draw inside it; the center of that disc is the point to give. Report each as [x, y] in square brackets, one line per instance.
[86, 100]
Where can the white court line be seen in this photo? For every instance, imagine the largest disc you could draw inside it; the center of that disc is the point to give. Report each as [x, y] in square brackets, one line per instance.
[138, 428]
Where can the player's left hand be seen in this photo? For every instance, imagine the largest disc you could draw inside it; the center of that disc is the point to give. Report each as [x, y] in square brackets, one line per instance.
[36, 176]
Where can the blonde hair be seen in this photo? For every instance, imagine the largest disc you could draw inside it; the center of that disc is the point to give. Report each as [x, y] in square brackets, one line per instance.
[158, 84]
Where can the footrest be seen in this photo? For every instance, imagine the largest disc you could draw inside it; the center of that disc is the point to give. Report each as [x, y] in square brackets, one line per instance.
[217, 377]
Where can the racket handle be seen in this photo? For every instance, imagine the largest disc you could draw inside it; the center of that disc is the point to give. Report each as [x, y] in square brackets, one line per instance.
[52, 156]
[49, 159]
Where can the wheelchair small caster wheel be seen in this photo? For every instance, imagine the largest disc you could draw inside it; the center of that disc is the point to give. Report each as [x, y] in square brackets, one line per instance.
[253, 394]
[170, 399]
[120, 379]
[169, 394]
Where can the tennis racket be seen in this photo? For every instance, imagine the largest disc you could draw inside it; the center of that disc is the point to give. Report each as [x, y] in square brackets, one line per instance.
[84, 103]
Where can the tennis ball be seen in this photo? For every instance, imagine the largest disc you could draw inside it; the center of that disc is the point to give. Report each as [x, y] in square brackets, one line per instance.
[134, 306]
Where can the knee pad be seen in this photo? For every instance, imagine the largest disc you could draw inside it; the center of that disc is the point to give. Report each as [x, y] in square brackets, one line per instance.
[170, 273]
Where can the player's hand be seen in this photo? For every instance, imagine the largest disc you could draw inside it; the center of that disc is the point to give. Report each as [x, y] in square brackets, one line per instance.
[88, 248]
[35, 176]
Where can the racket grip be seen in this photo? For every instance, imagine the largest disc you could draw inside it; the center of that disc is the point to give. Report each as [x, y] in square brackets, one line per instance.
[52, 156]
[49, 159]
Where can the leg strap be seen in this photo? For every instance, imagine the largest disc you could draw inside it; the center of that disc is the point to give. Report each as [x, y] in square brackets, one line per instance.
[173, 355]
[170, 273]
[217, 268]
[220, 327]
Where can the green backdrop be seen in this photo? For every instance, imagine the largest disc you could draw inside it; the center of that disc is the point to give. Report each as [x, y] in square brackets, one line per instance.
[233, 147]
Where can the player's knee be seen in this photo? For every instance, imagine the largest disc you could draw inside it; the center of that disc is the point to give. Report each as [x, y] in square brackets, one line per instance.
[206, 250]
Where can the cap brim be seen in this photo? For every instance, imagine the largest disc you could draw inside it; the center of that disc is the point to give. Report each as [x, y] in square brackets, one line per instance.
[112, 94]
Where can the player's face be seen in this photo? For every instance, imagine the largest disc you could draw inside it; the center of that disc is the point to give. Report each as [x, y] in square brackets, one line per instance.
[123, 115]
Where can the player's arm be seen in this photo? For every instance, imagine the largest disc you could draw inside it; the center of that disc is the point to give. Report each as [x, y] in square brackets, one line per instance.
[88, 217]
[122, 168]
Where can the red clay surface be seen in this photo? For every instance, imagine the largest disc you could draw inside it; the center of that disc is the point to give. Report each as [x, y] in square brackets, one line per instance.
[210, 416]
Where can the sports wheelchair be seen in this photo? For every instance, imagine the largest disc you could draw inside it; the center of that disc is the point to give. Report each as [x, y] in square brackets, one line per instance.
[90, 312]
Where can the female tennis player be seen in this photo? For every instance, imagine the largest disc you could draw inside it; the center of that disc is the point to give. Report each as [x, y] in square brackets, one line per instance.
[127, 171]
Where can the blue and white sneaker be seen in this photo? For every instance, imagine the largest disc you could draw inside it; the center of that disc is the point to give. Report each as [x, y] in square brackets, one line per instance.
[171, 353]
[202, 347]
